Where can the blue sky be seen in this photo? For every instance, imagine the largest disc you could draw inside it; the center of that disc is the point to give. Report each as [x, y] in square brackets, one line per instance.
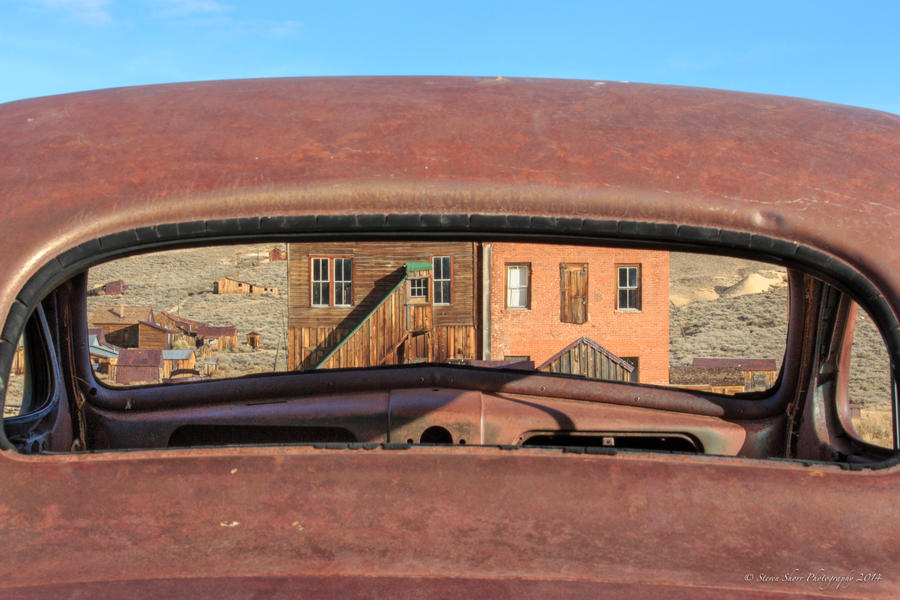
[845, 52]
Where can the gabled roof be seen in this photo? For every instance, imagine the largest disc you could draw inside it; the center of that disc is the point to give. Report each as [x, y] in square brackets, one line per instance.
[594, 346]
[746, 364]
[124, 315]
[188, 325]
[156, 326]
[98, 348]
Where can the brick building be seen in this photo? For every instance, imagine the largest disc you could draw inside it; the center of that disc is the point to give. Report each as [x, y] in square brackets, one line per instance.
[543, 297]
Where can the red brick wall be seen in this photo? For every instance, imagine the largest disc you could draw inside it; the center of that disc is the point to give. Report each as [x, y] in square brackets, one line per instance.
[537, 331]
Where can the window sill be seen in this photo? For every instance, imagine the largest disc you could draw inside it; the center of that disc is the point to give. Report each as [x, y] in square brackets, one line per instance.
[628, 310]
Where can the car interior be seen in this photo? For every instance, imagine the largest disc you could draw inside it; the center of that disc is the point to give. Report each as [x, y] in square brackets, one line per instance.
[411, 391]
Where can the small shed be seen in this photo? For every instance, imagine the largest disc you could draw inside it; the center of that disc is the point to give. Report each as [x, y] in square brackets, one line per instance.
[138, 366]
[718, 380]
[253, 339]
[587, 358]
[222, 337]
[758, 373]
[208, 367]
[177, 359]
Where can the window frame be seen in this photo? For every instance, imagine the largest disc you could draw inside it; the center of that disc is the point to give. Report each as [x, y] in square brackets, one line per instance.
[331, 281]
[638, 289]
[436, 280]
[527, 286]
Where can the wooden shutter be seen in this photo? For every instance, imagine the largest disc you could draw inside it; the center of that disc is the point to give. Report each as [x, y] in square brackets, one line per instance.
[573, 284]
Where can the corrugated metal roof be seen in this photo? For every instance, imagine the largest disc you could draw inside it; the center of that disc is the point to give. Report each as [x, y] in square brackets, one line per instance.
[99, 349]
[226, 330]
[177, 354]
[133, 357]
[746, 364]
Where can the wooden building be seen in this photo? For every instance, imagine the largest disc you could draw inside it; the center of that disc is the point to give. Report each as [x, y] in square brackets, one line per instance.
[111, 288]
[174, 360]
[222, 337]
[586, 358]
[151, 336]
[719, 380]
[227, 285]
[138, 366]
[758, 373]
[253, 338]
[119, 324]
[177, 323]
[387, 302]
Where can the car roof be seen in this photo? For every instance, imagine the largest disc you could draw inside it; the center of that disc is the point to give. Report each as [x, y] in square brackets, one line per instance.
[77, 167]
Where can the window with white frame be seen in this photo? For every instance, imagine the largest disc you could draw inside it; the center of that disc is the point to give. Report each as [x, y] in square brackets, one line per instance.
[442, 279]
[343, 282]
[629, 287]
[322, 272]
[517, 286]
[418, 287]
[320, 282]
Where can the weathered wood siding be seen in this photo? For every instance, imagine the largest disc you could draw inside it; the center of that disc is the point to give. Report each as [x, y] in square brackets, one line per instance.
[378, 339]
[308, 345]
[123, 336]
[587, 362]
[376, 269]
[151, 338]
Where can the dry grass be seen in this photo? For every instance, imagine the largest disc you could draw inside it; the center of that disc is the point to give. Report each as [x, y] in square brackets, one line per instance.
[874, 426]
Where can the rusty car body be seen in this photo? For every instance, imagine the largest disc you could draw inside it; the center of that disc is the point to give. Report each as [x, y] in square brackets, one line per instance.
[92, 502]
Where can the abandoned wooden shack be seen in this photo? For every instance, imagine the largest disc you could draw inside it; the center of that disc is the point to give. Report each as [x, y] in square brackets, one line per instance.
[177, 323]
[586, 358]
[358, 304]
[119, 324]
[227, 285]
[253, 339]
[222, 337]
[174, 360]
[758, 373]
[154, 337]
[138, 366]
[718, 380]
[111, 288]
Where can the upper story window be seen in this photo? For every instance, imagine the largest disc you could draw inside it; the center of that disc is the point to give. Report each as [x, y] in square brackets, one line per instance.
[418, 287]
[517, 286]
[629, 287]
[573, 284]
[442, 279]
[321, 282]
[342, 282]
[321, 274]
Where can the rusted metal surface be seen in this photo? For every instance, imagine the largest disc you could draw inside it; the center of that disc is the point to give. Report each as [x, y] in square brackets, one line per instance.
[78, 166]
[462, 521]
[470, 513]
